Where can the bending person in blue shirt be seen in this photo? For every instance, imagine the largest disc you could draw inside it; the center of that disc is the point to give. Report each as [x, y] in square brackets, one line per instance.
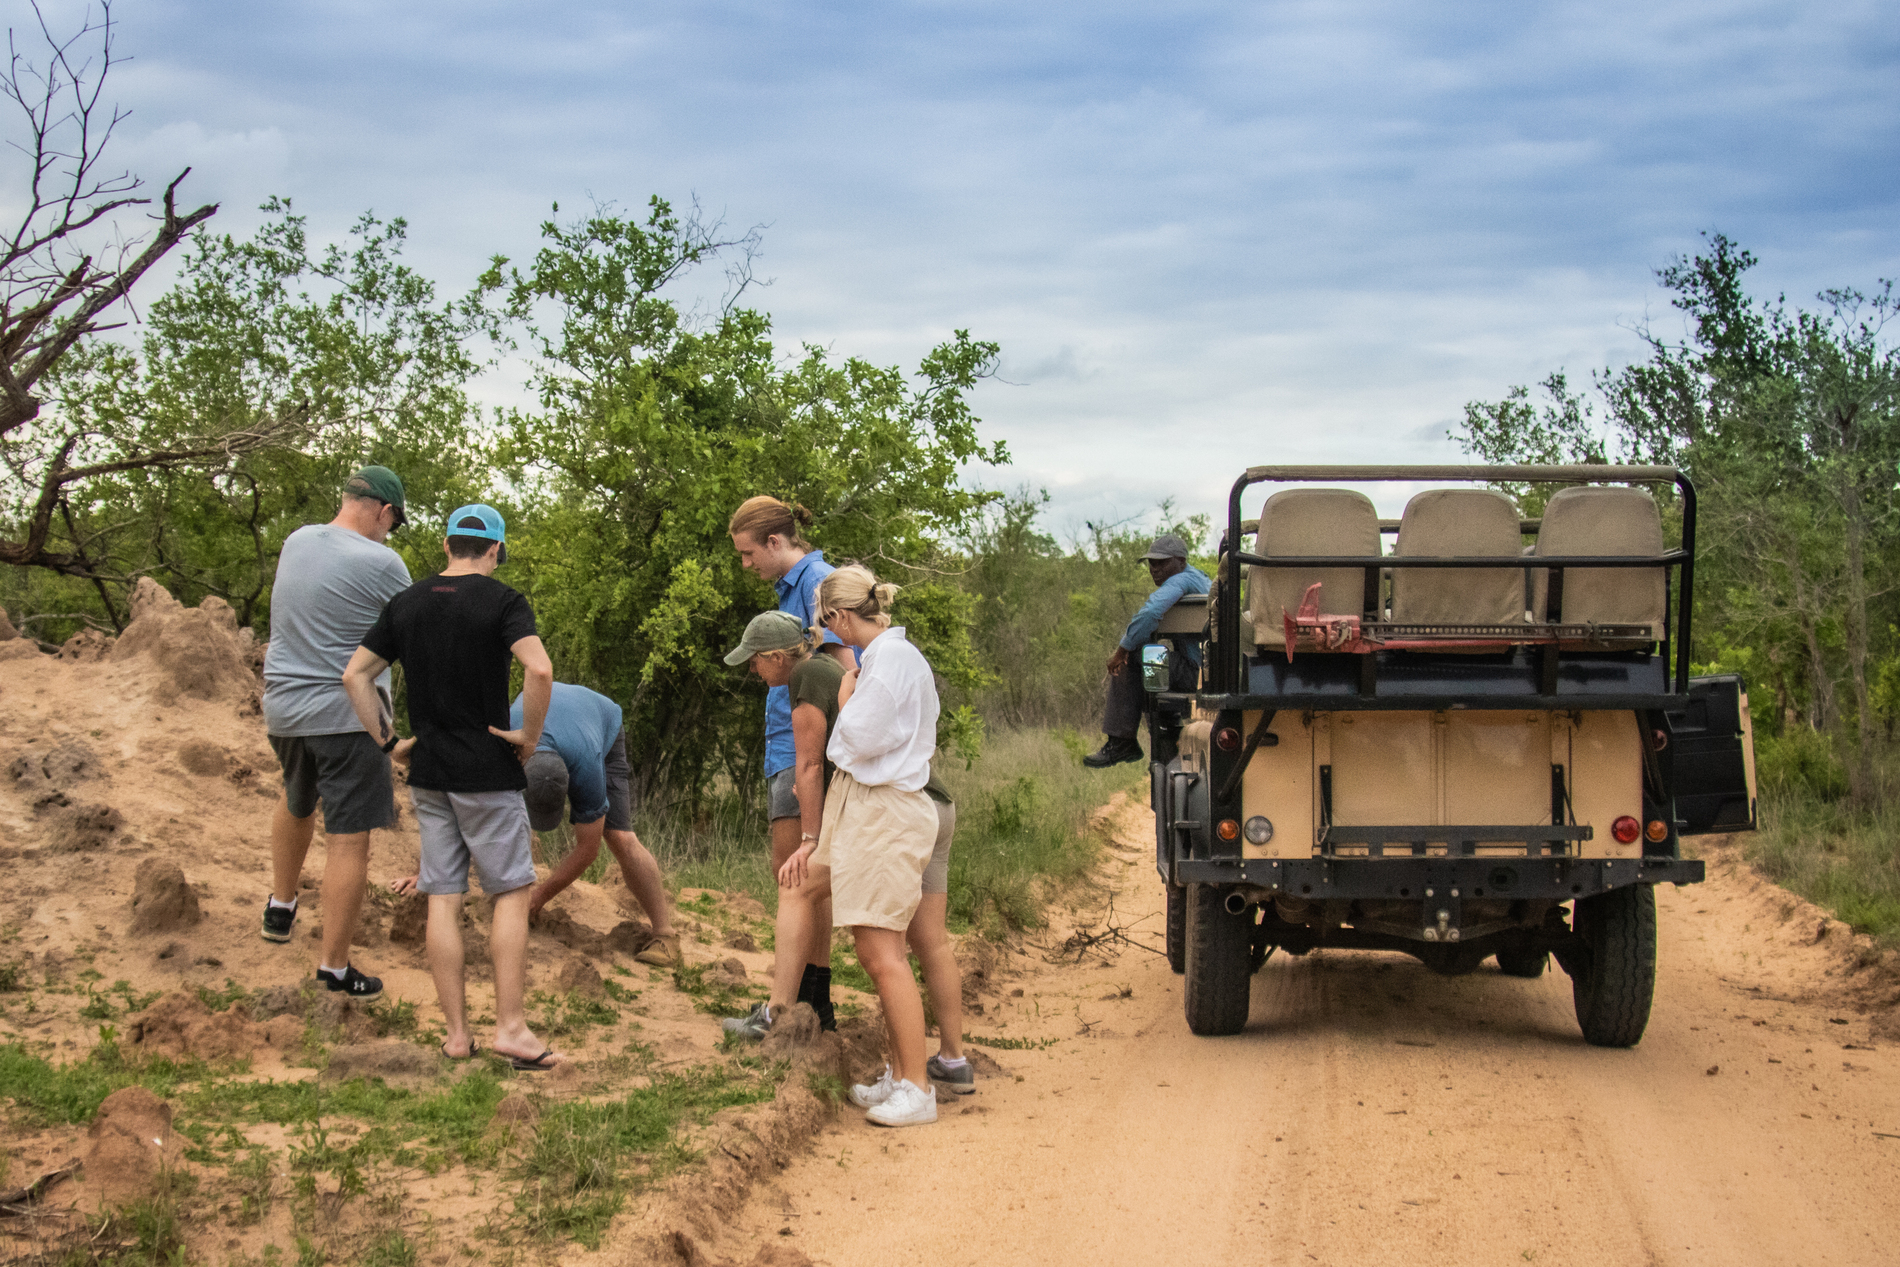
[1174, 577]
[581, 762]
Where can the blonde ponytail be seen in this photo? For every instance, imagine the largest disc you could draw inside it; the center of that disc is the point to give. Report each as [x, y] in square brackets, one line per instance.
[852, 588]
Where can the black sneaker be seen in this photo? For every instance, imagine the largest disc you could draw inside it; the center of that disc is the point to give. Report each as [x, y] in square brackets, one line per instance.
[1113, 752]
[277, 920]
[353, 983]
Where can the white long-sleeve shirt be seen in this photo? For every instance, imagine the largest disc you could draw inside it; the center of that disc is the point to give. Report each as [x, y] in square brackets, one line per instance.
[887, 731]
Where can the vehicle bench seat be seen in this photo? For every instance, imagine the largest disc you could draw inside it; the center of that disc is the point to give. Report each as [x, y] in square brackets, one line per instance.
[1598, 519]
[1442, 522]
[1297, 521]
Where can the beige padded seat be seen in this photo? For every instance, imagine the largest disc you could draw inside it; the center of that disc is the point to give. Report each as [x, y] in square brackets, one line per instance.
[1458, 521]
[1298, 521]
[1601, 520]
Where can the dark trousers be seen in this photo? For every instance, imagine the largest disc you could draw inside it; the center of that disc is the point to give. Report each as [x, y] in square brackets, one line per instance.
[1128, 700]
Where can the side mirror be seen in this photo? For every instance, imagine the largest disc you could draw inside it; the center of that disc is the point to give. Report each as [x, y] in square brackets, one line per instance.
[1154, 667]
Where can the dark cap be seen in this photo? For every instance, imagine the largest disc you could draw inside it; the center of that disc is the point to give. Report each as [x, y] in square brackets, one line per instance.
[1167, 546]
[547, 789]
[381, 483]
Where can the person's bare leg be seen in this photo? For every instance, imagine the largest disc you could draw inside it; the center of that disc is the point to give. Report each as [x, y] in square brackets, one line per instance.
[443, 942]
[508, 948]
[929, 938]
[641, 871]
[569, 869]
[785, 838]
[345, 875]
[882, 952]
[289, 845]
[797, 916]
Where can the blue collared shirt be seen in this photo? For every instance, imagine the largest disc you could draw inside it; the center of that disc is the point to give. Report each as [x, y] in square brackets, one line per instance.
[581, 728]
[797, 594]
[1141, 630]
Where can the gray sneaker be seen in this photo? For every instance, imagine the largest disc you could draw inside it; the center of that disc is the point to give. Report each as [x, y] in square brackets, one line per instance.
[958, 1081]
[753, 1026]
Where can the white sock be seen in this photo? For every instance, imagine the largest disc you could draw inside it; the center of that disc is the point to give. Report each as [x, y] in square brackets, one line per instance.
[338, 973]
[291, 905]
[952, 1062]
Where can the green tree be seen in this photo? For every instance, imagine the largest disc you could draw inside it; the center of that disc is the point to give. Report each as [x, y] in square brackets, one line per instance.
[1787, 421]
[652, 426]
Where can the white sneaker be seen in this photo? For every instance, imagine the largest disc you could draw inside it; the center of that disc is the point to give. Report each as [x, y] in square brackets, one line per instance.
[908, 1105]
[874, 1094]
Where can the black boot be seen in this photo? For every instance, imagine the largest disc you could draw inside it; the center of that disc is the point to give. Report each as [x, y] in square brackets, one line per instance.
[1114, 751]
[815, 988]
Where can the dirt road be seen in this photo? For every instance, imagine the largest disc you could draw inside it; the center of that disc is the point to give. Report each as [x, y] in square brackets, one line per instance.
[1374, 1113]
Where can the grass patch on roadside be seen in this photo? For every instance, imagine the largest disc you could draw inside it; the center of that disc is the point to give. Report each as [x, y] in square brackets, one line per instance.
[1022, 816]
[1813, 841]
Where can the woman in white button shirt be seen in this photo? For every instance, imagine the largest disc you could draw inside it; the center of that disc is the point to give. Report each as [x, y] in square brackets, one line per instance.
[879, 826]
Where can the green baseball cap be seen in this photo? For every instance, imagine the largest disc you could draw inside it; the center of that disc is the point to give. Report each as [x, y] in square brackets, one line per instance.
[381, 483]
[767, 631]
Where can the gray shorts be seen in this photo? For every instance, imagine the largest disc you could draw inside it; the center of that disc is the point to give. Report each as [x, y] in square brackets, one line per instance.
[347, 773]
[781, 794]
[489, 829]
[937, 870]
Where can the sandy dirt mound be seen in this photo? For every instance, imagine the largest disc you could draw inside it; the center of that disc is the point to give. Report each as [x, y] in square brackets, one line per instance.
[180, 1026]
[194, 653]
[162, 900]
[128, 1146]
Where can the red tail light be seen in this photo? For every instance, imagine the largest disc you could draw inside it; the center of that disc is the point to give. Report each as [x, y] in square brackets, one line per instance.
[1625, 829]
[1227, 738]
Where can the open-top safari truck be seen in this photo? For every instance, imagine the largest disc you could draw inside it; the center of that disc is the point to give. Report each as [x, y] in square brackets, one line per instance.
[1482, 742]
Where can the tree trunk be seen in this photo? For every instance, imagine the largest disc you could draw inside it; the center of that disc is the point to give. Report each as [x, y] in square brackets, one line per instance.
[1860, 780]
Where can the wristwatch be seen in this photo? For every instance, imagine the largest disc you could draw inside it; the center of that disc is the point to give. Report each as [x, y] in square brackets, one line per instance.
[393, 741]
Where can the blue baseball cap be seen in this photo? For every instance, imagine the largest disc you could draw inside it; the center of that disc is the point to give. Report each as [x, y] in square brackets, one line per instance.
[480, 521]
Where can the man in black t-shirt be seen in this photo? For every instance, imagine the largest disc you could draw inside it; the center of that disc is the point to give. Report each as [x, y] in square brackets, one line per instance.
[455, 634]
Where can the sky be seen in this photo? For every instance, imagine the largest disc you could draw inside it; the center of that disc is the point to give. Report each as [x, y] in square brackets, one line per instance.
[1205, 235]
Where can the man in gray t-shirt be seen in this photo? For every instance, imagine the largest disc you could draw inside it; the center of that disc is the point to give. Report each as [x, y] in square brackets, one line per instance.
[333, 581]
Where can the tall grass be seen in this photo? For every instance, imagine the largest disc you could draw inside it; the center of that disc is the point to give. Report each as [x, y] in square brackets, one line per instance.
[1022, 814]
[1813, 840]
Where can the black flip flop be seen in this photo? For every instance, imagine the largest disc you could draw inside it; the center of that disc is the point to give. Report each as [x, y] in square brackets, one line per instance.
[538, 1064]
[473, 1051]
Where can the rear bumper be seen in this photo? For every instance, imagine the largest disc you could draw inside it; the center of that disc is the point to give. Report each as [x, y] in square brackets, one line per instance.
[1557, 879]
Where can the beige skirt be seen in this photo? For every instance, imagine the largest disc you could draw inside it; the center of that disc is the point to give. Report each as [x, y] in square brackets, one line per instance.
[876, 840]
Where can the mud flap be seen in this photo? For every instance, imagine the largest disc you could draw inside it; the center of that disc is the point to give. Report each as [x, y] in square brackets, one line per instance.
[1712, 745]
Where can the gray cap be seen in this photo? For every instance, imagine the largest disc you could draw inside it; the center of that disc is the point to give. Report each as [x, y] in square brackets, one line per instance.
[767, 631]
[547, 789]
[1167, 546]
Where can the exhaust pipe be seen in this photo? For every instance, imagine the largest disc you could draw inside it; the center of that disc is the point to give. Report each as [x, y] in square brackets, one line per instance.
[1236, 903]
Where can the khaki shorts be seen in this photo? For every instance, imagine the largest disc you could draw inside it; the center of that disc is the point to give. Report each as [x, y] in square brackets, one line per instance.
[877, 841]
[937, 871]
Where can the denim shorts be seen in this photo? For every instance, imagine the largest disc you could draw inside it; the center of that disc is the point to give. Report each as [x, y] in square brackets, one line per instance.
[781, 794]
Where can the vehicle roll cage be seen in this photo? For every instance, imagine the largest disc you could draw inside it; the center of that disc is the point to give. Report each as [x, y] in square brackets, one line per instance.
[1227, 670]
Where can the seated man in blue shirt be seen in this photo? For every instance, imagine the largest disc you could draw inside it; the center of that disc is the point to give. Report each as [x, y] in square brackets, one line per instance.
[581, 763]
[1174, 577]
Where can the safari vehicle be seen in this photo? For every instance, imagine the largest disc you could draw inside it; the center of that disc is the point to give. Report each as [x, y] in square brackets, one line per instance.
[1482, 742]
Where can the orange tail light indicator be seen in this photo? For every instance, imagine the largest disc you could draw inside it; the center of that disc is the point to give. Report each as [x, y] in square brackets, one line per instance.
[1657, 831]
[1228, 829]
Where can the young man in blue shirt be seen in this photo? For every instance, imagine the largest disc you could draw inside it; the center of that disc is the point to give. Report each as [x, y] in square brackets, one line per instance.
[765, 532]
[1174, 577]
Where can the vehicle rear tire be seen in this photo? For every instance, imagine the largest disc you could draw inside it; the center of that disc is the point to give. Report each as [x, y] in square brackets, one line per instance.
[1177, 928]
[1219, 962]
[1616, 981]
[1523, 963]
